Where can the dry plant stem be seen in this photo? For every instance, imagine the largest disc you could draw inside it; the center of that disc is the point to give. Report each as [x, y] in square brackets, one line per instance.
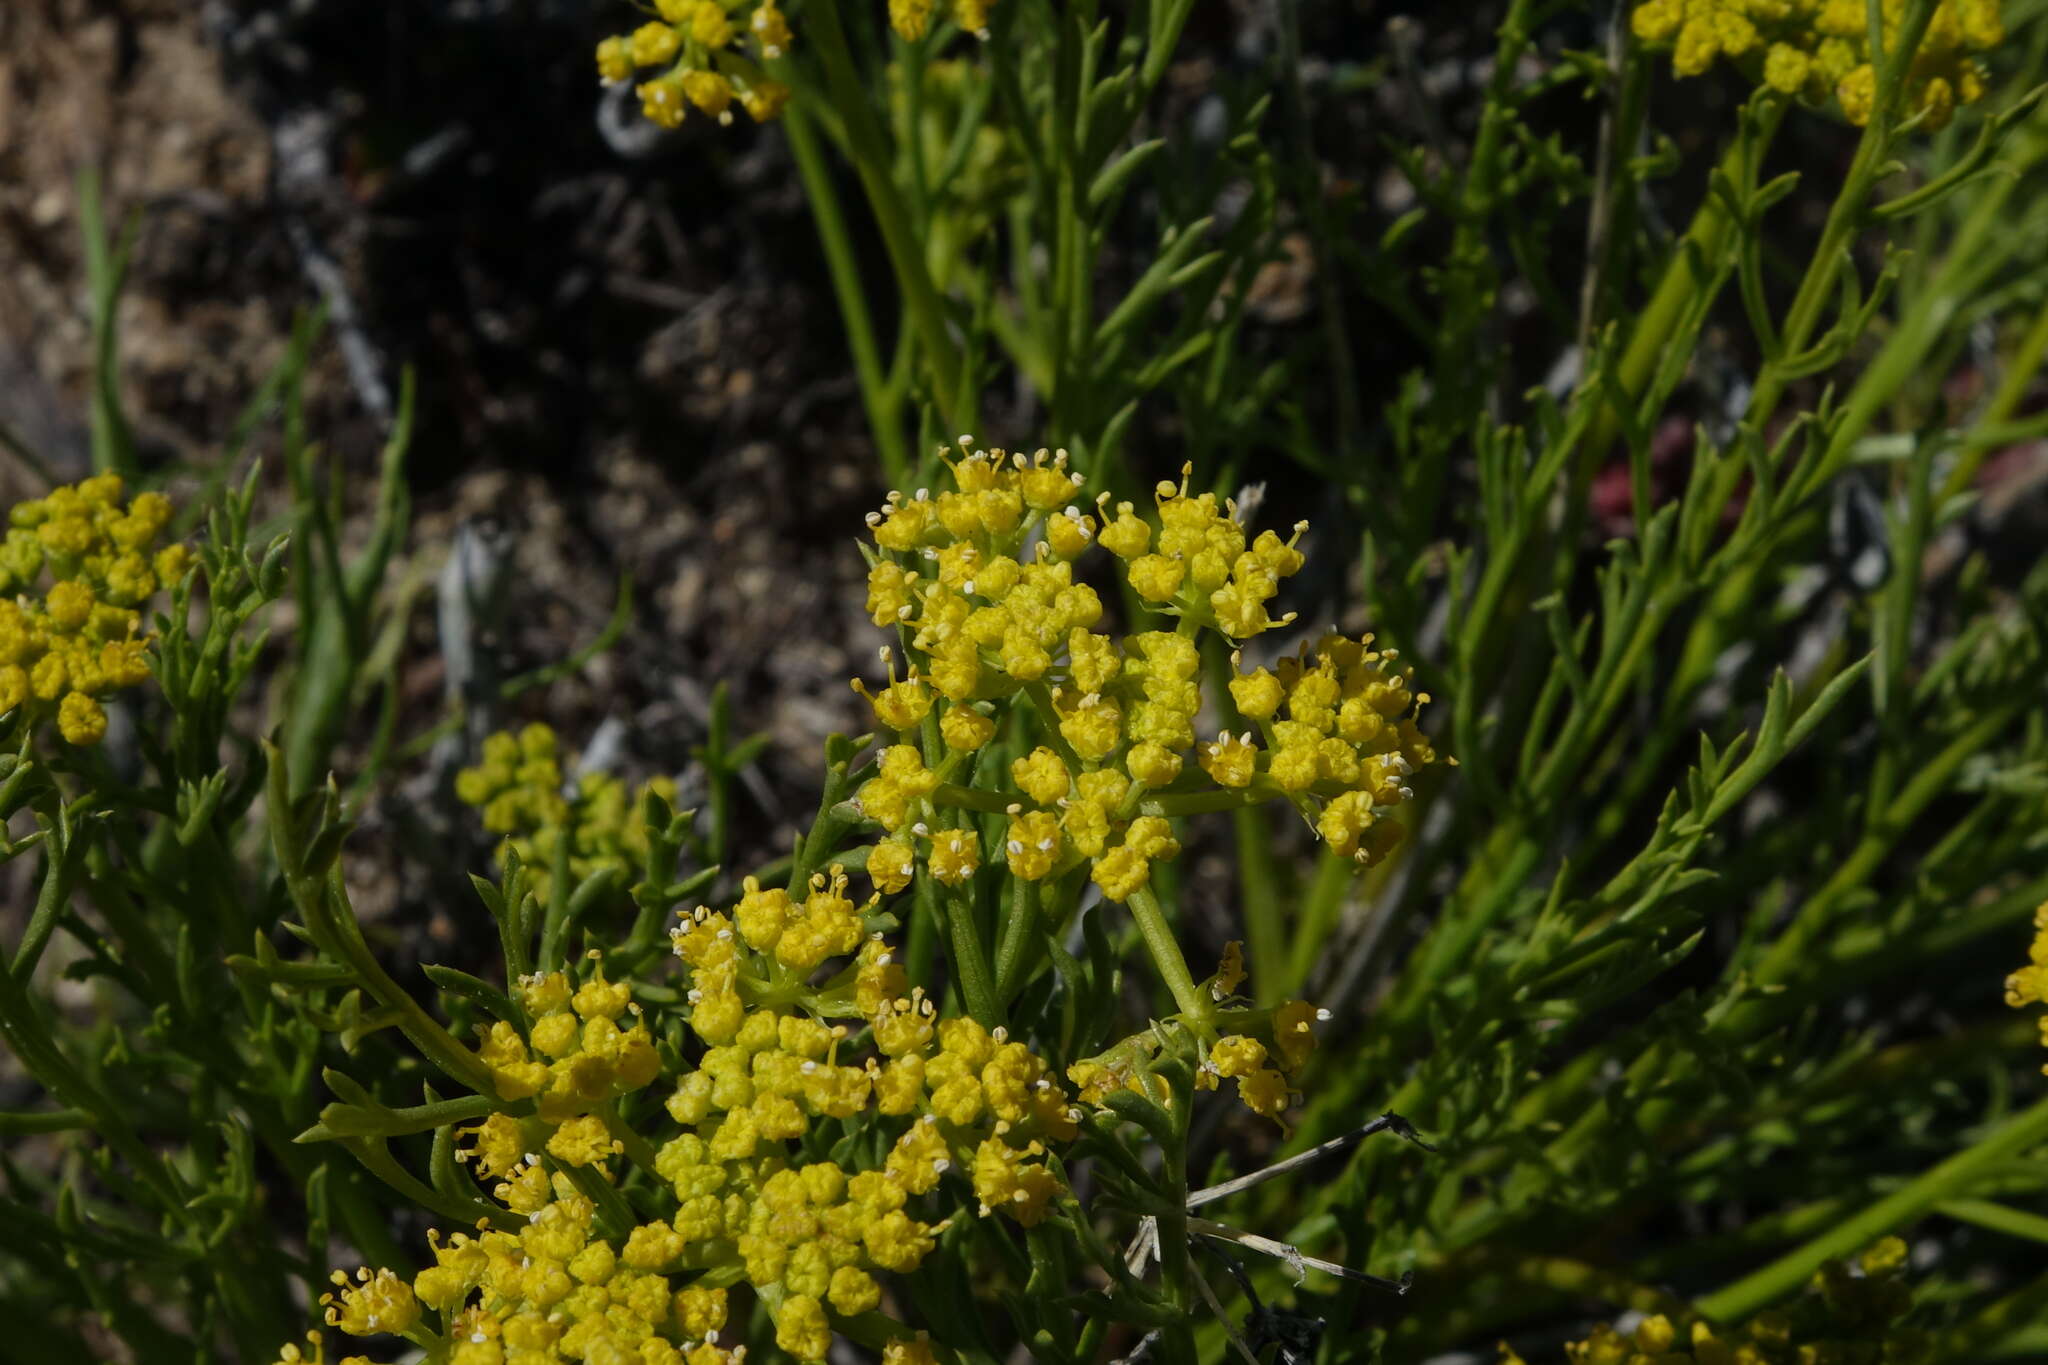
[1388, 1122]
[1294, 1257]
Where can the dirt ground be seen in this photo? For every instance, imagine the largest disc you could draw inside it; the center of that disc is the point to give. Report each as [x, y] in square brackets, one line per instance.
[625, 367]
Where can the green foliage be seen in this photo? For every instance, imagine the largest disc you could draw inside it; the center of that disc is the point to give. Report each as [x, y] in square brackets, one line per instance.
[1687, 971]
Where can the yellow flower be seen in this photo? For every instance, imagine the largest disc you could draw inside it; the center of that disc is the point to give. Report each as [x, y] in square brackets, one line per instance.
[379, 1302]
[1231, 761]
[1033, 845]
[710, 92]
[1264, 1092]
[762, 100]
[910, 18]
[65, 647]
[653, 44]
[800, 1328]
[1041, 775]
[955, 855]
[1237, 1056]
[1786, 68]
[662, 100]
[81, 720]
[914, 1352]
[1857, 93]
[1817, 48]
[889, 865]
[771, 31]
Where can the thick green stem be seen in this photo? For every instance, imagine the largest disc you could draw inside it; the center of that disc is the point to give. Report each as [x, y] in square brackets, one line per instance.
[1013, 951]
[970, 958]
[1166, 954]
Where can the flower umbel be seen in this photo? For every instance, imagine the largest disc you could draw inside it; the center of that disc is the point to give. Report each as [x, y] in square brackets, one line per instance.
[520, 789]
[710, 57]
[980, 582]
[1820, 49]
[82, 640]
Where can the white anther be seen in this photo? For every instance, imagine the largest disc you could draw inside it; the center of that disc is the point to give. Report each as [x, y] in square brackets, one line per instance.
[924, 495]
[1324, 1015]
[1045, 845]
[808, 1067]
[921, 830]
[1014, 808]
[941, 1165]
[1015, 846]
[968, 586]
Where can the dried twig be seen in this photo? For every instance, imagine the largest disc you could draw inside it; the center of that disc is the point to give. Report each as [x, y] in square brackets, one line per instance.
[1297, 1260]
[1388, 1122]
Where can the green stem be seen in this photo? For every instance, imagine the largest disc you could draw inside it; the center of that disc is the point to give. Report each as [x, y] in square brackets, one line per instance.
[878, 396]
[1258, 879]
[2020, 371]
[1166, 955]
[872, 162]
[1013, 953]
[1691, 267]
[1951, 1178]
[970, 958]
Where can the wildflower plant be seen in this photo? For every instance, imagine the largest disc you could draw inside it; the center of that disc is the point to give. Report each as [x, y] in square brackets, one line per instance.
[1629, 787]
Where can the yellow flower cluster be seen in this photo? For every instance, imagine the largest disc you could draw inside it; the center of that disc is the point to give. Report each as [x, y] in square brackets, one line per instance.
[555, 1291]
[912, 19]
[574, 1058]
[1263, 1051]
[711, 54]
[986, 622]
[1821, 48]
[1845, 1317]
[815, 1234]
[63, 652]
[518, 787]
[810, 1237]
[2029, 985]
